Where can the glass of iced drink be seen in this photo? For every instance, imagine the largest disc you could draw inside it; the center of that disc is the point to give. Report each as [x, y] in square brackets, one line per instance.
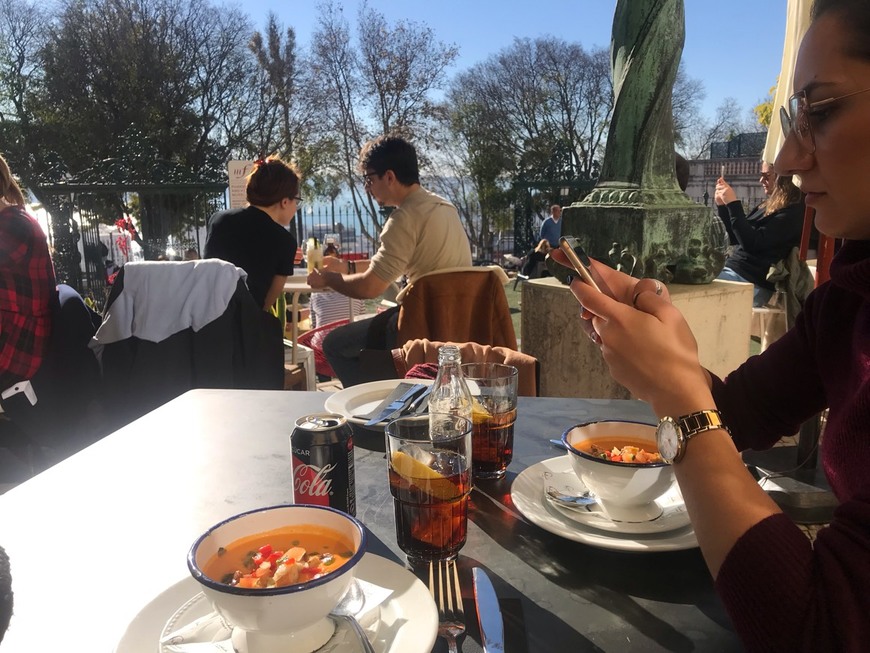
[430, 480]
[493, 390]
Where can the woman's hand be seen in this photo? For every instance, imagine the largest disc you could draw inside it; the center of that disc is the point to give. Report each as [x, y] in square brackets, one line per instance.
[623, 286]
[724, 193]
[646, 343]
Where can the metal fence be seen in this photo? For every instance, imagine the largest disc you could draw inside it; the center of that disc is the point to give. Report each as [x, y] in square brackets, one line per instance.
[354, 233]
[89, 237]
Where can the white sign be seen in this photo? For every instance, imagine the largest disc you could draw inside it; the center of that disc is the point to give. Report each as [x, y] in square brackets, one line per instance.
[239, 171]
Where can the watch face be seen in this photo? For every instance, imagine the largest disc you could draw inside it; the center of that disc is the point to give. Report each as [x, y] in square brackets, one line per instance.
[668, 439]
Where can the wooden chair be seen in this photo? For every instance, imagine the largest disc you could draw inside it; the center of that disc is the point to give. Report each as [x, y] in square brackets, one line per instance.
[458, 305]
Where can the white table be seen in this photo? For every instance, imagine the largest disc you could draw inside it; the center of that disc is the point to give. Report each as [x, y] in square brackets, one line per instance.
[95, 538]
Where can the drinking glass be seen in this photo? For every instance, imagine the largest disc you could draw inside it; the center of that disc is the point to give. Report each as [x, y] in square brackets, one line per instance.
[493, 388]
[430, 483]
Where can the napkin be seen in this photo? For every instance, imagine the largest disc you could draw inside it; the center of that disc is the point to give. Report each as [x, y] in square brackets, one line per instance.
[211, 634]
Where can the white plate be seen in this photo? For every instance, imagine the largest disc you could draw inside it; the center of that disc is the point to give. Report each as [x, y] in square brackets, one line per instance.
[562, 477]
[527, 493]
[363, 398]
[407, 620]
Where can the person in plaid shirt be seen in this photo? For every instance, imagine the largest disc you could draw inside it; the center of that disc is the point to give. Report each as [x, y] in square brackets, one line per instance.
[27, 286]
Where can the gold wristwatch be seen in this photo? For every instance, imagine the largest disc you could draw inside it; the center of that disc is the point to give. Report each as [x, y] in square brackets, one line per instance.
[673, 435]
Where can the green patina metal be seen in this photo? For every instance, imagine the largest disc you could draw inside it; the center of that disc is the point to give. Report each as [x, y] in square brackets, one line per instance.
[637, 211]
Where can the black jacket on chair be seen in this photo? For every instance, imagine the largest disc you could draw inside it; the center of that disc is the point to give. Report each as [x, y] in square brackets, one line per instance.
[67, 415]
[243, 348]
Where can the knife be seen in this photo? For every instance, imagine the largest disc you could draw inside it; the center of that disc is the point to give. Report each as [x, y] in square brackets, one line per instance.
[488, 613]
[398, 405]
[395, 393]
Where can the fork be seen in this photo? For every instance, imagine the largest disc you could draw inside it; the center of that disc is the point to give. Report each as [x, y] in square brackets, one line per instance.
[451, 614]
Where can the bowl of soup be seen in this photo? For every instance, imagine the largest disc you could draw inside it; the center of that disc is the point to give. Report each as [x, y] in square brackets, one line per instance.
[276, 573]
[619, 462]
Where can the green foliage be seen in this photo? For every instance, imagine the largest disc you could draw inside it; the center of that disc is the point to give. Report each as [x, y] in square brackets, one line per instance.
[764, 110]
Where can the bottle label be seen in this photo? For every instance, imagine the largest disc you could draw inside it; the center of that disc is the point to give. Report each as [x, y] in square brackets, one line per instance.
[312, 484]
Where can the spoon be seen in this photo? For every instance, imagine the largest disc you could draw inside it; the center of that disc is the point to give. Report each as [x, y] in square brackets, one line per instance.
[576, 501]
[351, 621]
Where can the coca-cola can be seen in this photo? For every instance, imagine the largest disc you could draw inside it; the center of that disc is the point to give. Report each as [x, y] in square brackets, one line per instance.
[322, 453]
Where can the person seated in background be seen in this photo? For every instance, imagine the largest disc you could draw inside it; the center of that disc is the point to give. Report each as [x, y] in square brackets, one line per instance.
[766, 236]
[190, 254]
[535, 257]
[423, 234]
[255, 238]
[27, 286]
[328, 307]
[551, 228]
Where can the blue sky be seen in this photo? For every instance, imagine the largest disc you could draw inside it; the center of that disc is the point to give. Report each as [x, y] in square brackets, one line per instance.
[734, 48]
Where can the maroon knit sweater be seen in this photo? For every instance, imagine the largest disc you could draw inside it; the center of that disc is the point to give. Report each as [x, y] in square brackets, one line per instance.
[782, 593]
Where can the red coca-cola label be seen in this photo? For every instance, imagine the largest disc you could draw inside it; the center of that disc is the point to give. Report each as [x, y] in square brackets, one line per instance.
[312, 484]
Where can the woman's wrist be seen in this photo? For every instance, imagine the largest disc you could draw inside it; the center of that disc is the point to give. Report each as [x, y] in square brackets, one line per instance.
[677, 404]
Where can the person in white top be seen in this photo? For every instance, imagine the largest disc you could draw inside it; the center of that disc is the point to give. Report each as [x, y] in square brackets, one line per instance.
[423, 234]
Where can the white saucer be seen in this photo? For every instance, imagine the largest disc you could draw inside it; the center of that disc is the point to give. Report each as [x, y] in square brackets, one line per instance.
[527, 493]
[561, 476]
[363, 398]
[407, 622]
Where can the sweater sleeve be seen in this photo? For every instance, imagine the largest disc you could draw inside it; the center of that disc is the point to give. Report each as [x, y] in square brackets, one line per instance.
[784, 594]
[771, 395]
[725, 217]
[777, 232]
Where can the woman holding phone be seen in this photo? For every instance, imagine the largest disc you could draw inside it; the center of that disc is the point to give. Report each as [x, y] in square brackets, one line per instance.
[764, 237]
[783, 592]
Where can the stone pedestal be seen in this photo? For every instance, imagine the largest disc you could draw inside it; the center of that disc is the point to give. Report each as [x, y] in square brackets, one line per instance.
[719, 314]
[657, 234]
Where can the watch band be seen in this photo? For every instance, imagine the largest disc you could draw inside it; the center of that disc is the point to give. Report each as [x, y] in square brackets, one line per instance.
[704, 420]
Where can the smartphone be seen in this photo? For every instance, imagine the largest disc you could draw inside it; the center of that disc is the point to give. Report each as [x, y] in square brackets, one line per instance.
[583, 266]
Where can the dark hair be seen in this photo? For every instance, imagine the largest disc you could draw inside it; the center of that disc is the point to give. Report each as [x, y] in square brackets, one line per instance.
[271, 181]
[9, 188]
[854, 17]
[5, 592]
[681, 168]
[394, 153]
[784, 194]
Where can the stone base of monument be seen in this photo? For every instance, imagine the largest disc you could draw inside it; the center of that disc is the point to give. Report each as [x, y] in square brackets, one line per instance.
[719, 314]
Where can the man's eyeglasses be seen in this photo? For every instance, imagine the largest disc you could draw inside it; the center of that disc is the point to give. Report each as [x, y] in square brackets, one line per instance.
[367, 178]
[796, 119]
[297, 198]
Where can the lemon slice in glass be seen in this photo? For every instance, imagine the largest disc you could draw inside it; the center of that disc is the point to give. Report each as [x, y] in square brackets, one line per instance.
[422, 476]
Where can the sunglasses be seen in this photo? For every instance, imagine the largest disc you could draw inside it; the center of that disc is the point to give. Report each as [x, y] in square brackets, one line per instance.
[796, 119]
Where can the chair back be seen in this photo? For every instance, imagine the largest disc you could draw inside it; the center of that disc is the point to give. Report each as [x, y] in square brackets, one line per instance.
[313, 339]
[170, 327]
[425, 352]
[458, 305]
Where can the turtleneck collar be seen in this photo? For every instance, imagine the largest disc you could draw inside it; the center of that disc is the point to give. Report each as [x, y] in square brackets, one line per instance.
[850, 268]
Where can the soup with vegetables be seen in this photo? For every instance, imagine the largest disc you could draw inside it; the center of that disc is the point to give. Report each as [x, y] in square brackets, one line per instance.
[280, 557]
[622, 450]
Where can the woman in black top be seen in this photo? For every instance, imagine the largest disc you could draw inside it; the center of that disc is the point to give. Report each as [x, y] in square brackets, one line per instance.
[256, 238]
[767, 236]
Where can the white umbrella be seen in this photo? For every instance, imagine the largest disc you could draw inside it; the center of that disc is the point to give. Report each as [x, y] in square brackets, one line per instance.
[796, 23]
